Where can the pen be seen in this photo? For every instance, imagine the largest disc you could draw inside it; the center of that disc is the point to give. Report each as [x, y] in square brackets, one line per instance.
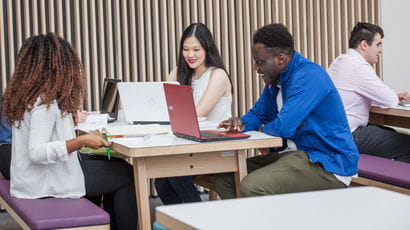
[107, 148]
[124, 136]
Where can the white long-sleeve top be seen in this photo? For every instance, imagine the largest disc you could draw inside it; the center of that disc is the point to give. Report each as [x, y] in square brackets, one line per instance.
[40, 165]
[360, 87]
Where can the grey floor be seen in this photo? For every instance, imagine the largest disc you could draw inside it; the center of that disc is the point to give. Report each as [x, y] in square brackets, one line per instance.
[7, 223]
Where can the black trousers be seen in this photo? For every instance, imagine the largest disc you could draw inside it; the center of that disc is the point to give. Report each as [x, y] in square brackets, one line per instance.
[383, 142]
[5, 158]
[114, 180]
[177, 190]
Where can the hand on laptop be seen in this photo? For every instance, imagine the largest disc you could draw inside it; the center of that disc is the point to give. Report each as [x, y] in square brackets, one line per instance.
[233, 124]
[403, 96]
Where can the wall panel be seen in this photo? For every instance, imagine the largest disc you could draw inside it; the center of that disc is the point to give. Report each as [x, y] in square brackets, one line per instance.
[138, 40]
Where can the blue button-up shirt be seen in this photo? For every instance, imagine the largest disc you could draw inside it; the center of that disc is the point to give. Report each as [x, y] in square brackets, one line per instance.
[312, 116]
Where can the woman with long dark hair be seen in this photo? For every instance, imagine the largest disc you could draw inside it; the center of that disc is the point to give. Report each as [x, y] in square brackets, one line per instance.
[43, 96]
[199, 65]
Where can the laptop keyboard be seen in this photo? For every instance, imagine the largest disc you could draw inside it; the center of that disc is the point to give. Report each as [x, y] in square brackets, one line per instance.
[209, 134]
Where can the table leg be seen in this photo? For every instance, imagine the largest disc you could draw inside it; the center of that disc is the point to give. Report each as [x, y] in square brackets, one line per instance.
[242, 170]
[141, 189]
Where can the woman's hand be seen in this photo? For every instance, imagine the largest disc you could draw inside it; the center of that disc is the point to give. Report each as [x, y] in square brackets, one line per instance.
[403, 96]
[264, 151]
[95, 140]
[81, 116]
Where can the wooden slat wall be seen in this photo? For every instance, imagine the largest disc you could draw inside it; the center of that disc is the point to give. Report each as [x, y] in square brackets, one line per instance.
[137, 40]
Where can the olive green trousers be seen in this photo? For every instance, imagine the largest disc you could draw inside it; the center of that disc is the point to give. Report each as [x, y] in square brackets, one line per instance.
[275, 173]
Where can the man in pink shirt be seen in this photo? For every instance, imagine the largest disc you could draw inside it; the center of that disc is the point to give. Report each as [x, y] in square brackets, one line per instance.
[360, 88]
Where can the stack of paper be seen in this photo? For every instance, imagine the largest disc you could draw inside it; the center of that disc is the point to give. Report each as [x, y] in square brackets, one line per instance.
[137, 130]
[93, 122]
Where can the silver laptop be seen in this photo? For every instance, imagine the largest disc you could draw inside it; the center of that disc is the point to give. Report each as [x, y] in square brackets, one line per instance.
[144, 102]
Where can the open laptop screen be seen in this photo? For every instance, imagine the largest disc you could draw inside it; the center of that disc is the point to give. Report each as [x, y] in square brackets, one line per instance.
[110, 100]
[183, 117]
[144, 102]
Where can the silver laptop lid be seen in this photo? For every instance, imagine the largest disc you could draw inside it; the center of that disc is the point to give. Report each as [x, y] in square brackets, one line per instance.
[144, 102]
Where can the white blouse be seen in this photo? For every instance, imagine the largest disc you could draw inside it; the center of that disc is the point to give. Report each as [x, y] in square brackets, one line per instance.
[40, 164]
[223, 108]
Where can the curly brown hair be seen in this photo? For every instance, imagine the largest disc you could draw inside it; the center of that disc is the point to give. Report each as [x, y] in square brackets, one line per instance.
[49, 68]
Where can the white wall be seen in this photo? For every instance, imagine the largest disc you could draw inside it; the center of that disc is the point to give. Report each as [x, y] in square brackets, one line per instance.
[396, 44]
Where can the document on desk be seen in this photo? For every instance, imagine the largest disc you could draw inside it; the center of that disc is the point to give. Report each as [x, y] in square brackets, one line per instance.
[132, 136]
[130, 142]
[93, 122]
[137, 130]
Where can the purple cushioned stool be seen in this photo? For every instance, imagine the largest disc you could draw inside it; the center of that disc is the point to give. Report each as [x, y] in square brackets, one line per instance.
[385, 173]
[52, 213]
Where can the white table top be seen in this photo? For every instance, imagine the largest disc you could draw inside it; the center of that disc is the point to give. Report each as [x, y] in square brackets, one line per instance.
[403, 107]
[158, 145]
[353, 208]
[156, 135]
[172, 140]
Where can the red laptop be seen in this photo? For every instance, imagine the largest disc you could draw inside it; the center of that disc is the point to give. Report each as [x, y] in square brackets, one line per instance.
[183, 118]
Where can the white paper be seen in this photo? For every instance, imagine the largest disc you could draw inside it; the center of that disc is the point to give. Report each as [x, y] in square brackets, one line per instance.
[93, 122]
[137, 130]
[133, 142]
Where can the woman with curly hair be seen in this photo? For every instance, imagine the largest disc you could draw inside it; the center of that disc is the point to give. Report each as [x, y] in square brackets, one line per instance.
[44, 93]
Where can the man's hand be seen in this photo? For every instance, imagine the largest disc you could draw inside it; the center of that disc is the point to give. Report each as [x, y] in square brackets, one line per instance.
[264, 151]
[403, 96]
[233, 124]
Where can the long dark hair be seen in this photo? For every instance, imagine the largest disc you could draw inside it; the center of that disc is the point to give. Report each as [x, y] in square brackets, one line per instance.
[213, 58]
[49, 68]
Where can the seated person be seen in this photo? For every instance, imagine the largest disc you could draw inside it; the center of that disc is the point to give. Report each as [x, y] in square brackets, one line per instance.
[312, 116]
[200, 66]
[46, 89]
[360, 88]
[5, 147]
[5, 144]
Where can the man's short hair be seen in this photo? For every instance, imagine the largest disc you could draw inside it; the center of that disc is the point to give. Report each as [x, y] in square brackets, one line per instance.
[275, 36]
[364, 31]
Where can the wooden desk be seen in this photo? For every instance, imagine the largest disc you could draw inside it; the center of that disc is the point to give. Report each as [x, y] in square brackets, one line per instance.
[348, 208]
[168, 156]
[399, 117]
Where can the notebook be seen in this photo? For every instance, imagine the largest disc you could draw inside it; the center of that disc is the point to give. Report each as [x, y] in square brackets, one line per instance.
[110, 99]
[183, 117]
[144, 102]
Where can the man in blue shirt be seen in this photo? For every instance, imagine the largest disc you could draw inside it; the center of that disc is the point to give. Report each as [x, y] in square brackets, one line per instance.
[312, 116]
[5, 147]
